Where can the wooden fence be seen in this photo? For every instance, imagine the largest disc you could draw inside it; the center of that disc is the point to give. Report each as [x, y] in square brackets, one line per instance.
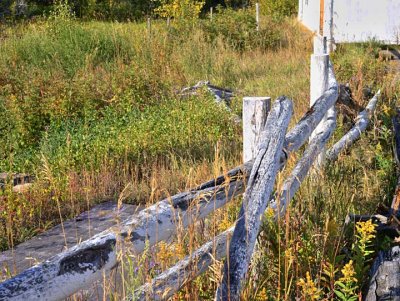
[83, 264]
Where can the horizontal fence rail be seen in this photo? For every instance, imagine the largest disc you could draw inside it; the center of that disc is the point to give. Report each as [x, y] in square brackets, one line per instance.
[169, 282]
[81, 265]
[78, 267]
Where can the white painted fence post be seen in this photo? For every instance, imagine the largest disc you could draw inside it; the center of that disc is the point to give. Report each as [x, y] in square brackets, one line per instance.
[258, 16]
[319, 83]
[328, 24]
[255, 112]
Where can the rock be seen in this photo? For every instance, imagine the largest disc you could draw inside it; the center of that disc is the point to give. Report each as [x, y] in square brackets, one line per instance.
[385, 276]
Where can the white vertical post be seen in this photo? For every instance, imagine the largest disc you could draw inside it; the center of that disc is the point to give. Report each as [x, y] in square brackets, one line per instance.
[258, 16]
[255, 112]
[168, 21]
[211, 13]
[328, 24]
[319, 83]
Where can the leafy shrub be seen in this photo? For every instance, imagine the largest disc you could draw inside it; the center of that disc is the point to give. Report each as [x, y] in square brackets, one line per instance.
[278, 9]
[238, 28]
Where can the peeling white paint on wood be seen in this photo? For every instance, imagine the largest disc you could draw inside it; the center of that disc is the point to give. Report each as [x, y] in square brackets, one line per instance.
[347, 21]
[255, 112]
[257, 196]
[319, 78]
[67, 272]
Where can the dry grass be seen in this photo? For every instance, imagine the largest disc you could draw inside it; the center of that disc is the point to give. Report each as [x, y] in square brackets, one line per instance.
[128, 68]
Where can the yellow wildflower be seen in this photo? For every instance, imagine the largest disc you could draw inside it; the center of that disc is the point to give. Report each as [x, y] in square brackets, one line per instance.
[308, 288]
[262, 295]
[348, 273]
[366, 231]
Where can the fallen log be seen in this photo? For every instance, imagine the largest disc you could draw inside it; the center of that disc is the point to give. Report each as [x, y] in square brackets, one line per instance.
[89, 260]
[76, 268]
[169, 282]
[255, 201]
[348, 139]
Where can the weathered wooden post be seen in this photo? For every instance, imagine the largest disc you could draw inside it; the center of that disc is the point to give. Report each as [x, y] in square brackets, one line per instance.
[258, 16]
[168, 22]
[211, 13]
[149, 26]
[257, 195]
[255, 112]
[319, 82]
[328, 24]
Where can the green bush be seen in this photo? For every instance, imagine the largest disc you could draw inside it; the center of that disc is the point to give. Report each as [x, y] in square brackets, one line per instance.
[238, 28]
[278, 9]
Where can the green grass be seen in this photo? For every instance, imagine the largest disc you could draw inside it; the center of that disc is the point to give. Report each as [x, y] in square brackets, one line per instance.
[90, 107]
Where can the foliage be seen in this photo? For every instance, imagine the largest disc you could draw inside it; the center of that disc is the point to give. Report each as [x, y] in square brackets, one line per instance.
[91, 107]
[180, 9]
[278, 9]
[238, 29]
[308, 288]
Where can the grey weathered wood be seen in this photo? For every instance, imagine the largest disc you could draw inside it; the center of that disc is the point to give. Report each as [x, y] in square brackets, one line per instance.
[76, 268]
[302, 131]
[255, 112]
[257, 196]
[83, 264]
[169, 282]
[300, 171]
[385, 276]
[319, 82]
[348, 139]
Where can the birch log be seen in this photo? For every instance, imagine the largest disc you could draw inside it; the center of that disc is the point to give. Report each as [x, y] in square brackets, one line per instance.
[169, 282]
[257, 195]
[362, 121]
[67, 272]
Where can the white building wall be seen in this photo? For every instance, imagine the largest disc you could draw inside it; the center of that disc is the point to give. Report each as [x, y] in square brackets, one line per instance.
[309, 13]
[356, 20]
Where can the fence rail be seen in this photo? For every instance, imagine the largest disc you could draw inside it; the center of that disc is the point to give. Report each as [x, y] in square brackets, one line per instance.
[78, 267]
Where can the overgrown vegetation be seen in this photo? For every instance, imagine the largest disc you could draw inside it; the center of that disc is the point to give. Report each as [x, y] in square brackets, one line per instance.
[91, 108]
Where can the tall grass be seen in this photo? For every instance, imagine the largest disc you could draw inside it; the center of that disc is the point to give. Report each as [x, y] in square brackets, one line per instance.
[91, 107]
